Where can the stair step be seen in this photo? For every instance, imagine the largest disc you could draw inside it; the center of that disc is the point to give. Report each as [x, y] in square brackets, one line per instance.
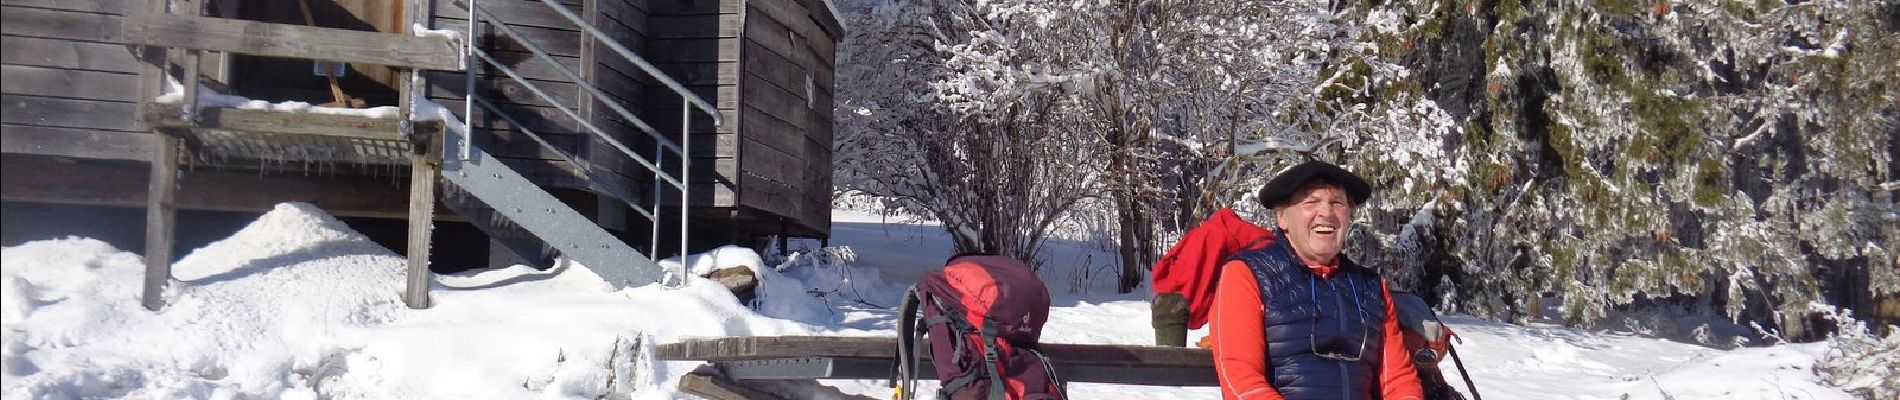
[498, 227]
[526, 205]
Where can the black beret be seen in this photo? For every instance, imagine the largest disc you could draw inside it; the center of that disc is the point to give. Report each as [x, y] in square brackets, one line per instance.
[1283, 185]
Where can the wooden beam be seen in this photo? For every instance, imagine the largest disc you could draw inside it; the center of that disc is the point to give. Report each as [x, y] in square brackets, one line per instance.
[193, 62]
[292, 41]
[77, 143]
[151, 68]
[43, 179]
[711, 387]
[159, 216]
[264, 121]
[425, 168]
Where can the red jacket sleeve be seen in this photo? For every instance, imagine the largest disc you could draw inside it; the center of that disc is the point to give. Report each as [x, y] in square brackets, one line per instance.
[1398, 378]
[1238, 330]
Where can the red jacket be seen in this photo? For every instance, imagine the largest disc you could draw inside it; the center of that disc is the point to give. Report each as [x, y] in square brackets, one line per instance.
[1240, 344]
[1191, 268]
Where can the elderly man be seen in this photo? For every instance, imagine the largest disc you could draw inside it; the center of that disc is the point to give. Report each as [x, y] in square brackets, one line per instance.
[1297, 319]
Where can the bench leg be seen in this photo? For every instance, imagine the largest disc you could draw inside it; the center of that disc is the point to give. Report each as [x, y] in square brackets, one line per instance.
[707, 382]
[710, 386]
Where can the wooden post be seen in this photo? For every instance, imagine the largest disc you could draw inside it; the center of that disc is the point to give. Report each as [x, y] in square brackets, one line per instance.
[784, 229]
[425, 166]
[193, 62]
[152, 62]
[159, 215]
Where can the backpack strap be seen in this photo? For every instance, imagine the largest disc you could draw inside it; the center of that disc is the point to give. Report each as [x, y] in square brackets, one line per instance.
[904, 368]
[953, 385]
[994, 361]
[1049, 367]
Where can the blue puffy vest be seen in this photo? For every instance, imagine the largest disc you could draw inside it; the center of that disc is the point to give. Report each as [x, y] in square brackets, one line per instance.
[1336, 316]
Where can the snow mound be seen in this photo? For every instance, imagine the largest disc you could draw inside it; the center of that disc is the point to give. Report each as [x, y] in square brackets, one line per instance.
[253, 314]
[297, 305]
[717, 259]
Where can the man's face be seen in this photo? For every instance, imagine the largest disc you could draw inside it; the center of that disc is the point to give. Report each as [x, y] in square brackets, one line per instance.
[1316, 219]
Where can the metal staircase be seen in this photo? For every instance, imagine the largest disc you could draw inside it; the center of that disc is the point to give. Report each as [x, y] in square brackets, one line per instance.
[524, 205]
[512, 209]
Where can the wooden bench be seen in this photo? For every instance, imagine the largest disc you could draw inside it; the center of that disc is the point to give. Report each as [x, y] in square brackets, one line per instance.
[754, 367]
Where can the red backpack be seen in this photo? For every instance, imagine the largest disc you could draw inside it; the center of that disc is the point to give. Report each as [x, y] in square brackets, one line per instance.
[982, 315]
[1192, 266]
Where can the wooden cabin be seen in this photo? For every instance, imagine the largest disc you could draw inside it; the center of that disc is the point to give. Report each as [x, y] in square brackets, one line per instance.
[73, 129]
[78, 127]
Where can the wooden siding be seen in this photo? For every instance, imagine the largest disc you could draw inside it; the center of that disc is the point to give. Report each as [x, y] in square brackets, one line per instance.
[787, 60]
[36, 178]
[63, 75]
[695, 42]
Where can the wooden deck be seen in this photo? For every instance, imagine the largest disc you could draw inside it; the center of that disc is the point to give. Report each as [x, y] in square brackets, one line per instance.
[776, 358]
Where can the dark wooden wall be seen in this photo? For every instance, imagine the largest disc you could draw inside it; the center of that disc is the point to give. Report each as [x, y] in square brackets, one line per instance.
[696, 43]
[767, 65]
[785, 119]
[64, 78]
[72, 135]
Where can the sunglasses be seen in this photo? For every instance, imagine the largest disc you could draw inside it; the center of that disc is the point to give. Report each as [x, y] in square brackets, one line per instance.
[1312, 336]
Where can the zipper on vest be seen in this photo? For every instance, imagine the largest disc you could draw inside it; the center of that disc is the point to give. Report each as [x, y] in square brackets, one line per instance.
[1339, 308]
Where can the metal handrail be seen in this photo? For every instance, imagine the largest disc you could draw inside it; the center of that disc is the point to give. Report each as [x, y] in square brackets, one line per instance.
[690, 101]
[492, 108]
[638, 61]
[576, 77]
[536, 90]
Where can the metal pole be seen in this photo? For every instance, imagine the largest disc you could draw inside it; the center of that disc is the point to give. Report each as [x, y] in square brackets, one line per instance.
[653, 237]
[686, 160]
[468, 90]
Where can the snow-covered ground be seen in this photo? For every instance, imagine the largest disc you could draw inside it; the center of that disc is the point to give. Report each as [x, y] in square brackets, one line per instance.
[298, 306]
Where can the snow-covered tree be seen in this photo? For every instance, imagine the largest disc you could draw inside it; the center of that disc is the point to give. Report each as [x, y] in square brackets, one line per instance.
[1581, 157]
[954, 123]
[1630, 152]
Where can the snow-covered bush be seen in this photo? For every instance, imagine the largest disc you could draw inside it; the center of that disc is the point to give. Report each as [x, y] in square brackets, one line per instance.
[1858, 360]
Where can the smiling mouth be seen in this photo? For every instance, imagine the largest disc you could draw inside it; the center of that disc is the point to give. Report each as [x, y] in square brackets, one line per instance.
[1325, 230]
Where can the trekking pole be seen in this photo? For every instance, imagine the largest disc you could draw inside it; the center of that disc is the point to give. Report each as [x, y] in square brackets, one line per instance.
[1461, 371]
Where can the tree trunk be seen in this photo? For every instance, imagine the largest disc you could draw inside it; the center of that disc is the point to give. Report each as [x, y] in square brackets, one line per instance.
[1131, 251]
[1134, 234]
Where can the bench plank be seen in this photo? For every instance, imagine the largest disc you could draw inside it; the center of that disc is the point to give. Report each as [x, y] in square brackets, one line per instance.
[816, 357]
[766, 347]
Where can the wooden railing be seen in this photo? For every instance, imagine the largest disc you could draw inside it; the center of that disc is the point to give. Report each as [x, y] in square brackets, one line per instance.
[172, 35]
[293, 41]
